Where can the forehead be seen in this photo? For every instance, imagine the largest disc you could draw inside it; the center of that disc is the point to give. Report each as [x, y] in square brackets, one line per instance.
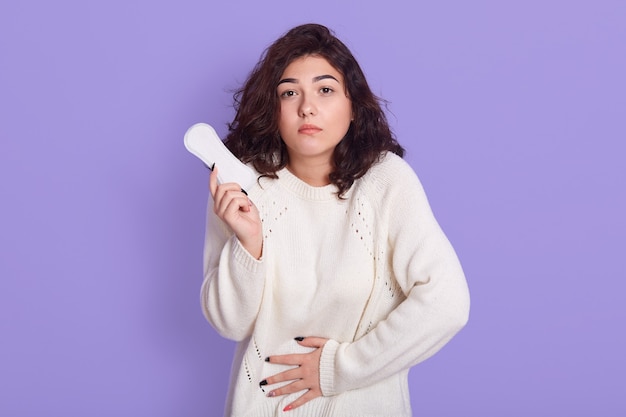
[310, 66]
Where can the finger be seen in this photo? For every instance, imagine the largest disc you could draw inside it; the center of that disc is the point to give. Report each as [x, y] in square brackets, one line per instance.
[222, 189]
[218, 189]
[313, 342]
[295, 386]
[232, 202]
[213, 181]
[289, 375]
[229, 199]
[295, 359]
[305, 398]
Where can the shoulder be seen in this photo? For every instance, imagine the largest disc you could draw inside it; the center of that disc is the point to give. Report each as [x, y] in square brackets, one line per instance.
[390, 173]
[392, 186]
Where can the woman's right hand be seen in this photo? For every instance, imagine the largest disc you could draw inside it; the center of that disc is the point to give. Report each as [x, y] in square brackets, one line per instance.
[234, 207]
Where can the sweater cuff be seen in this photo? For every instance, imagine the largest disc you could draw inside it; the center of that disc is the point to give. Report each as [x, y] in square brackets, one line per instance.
[327, 368]
[242, 257]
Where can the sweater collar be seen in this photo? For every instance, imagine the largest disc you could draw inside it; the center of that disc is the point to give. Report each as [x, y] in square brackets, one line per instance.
[304, 190]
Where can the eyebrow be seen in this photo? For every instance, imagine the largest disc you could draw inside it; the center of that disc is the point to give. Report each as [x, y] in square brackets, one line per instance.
[315, 79]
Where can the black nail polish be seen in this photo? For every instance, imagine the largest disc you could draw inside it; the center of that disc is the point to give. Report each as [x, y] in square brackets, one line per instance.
[299, 338]
[262, 383]
[267, 359]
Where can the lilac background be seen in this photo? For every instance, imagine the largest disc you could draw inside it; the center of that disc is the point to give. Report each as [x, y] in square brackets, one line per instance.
[514, 116]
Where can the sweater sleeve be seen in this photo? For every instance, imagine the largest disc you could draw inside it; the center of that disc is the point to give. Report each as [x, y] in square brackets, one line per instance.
[233, 281]
[436, 306]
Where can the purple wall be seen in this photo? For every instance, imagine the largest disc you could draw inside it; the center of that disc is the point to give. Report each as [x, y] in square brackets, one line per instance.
[514, 117]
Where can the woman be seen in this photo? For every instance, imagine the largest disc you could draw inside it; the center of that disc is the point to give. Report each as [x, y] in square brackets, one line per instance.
[331, 272]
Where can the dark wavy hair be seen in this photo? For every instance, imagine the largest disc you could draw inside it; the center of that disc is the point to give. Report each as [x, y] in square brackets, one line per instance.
[253, 134]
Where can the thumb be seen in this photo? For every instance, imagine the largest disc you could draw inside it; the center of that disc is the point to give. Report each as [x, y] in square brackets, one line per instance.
[213, 181]
[312, 342]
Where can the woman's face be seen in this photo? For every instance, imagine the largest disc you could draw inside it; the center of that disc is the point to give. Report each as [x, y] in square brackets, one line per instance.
[315, 111]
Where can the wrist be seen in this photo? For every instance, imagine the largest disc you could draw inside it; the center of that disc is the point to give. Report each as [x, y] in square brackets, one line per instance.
[253, 246]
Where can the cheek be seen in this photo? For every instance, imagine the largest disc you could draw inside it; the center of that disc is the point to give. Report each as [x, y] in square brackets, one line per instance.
[282, 118]
[285, 123]
[346, 116]
[285, 112]
[345, 108]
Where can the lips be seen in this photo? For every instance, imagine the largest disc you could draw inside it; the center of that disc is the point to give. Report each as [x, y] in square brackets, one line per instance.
[309, 129]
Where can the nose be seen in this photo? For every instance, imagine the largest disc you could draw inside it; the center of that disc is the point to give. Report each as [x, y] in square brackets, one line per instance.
[307, 107]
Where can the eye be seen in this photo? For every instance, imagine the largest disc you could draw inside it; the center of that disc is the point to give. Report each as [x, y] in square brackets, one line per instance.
[288, 93]
[326, 90]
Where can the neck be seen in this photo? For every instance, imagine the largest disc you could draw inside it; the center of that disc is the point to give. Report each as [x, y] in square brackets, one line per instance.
[314, 174]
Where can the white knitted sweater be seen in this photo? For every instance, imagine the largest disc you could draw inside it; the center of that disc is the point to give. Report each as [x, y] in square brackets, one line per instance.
[374, 273]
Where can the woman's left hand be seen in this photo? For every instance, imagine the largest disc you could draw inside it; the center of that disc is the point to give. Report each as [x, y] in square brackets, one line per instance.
[305, 377]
